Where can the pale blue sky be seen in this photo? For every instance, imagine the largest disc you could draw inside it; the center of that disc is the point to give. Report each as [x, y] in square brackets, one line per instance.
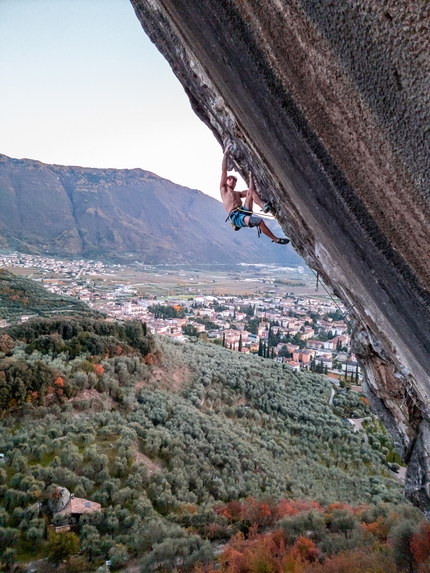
[81, 84]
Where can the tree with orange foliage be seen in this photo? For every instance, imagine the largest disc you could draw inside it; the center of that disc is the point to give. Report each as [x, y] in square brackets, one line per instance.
[420, 546]
[6, 343]
[149, 359]
[266, 554]
[358, 561]
[257, 553]
[232, 510]
[338, 505]
[260, 513]
[289, 507]
[99, 370]
[305, 549]
[58, 386]
[378, 529]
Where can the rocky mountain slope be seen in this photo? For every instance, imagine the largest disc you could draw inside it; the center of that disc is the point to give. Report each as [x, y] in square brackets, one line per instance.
[112, 213]
[328, 104]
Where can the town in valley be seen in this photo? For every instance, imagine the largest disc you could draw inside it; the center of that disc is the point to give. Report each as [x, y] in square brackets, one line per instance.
[272, 311]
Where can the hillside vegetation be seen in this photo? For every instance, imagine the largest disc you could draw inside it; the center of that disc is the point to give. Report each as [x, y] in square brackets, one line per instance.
[19, 295]
[185, 446]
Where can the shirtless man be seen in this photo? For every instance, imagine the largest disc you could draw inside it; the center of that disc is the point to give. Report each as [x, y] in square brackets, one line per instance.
[232, 201]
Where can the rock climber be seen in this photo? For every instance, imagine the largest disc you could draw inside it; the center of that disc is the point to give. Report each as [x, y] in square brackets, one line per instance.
[242, 215]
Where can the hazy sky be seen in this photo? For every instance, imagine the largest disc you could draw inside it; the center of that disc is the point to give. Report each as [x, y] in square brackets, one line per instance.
[81, 84]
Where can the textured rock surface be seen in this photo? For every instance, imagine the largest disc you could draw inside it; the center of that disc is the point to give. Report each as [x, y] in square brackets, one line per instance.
[328, 104]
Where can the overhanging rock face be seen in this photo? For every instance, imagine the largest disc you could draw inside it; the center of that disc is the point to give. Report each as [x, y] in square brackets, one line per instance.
[328, 104]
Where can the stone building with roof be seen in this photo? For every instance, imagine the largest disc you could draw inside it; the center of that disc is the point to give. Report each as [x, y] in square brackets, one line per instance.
[65, 504]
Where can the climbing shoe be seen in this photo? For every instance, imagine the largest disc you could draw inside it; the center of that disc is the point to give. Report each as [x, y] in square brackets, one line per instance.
[268, 208]
[282, 241]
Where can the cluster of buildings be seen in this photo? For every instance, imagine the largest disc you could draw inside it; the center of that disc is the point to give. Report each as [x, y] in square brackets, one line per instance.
[47, 264]
[70, 278]
[302, 338]
[290, 329]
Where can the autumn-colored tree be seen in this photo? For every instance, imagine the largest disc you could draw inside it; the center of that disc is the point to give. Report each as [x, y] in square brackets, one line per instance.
[420, 546]
[335, 506]
[99, 370]
[359, 561]
[233, 561]
[262, 554]
[261, 513]
[58, 386]
[149, 359]
[187, 508]
[289, 507]
[305, 549]
[237, 555]
[378, 529]
[6, 343]
[232, 510]
[216, 531]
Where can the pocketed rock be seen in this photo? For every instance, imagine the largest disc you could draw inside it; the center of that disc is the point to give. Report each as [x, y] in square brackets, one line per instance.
[327, 104]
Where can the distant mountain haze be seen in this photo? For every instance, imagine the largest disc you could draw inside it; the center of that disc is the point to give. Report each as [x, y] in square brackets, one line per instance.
[115, 213]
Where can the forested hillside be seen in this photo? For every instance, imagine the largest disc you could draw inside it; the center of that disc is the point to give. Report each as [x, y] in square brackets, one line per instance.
[185, 447]
[19, 295]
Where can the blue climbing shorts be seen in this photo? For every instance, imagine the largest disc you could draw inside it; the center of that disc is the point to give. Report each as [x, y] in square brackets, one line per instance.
[237, 219]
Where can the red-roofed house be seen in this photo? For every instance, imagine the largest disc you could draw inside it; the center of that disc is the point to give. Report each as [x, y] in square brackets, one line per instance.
[65, 504]
[78, 505]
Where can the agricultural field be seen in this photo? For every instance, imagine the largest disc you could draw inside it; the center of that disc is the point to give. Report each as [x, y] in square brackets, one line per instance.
[168, 280]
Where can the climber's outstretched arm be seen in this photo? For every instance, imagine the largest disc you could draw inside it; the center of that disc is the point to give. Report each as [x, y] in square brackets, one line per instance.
[251, 187]
[251, 181]
[224, 167]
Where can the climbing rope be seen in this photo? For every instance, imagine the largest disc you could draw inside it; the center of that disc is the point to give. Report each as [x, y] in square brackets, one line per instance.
[317, 276]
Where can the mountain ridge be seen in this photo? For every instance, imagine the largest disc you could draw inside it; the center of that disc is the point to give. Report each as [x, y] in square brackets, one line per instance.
[112, 213]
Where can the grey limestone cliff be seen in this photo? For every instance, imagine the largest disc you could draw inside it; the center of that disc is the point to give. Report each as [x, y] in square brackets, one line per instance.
[328, 104]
